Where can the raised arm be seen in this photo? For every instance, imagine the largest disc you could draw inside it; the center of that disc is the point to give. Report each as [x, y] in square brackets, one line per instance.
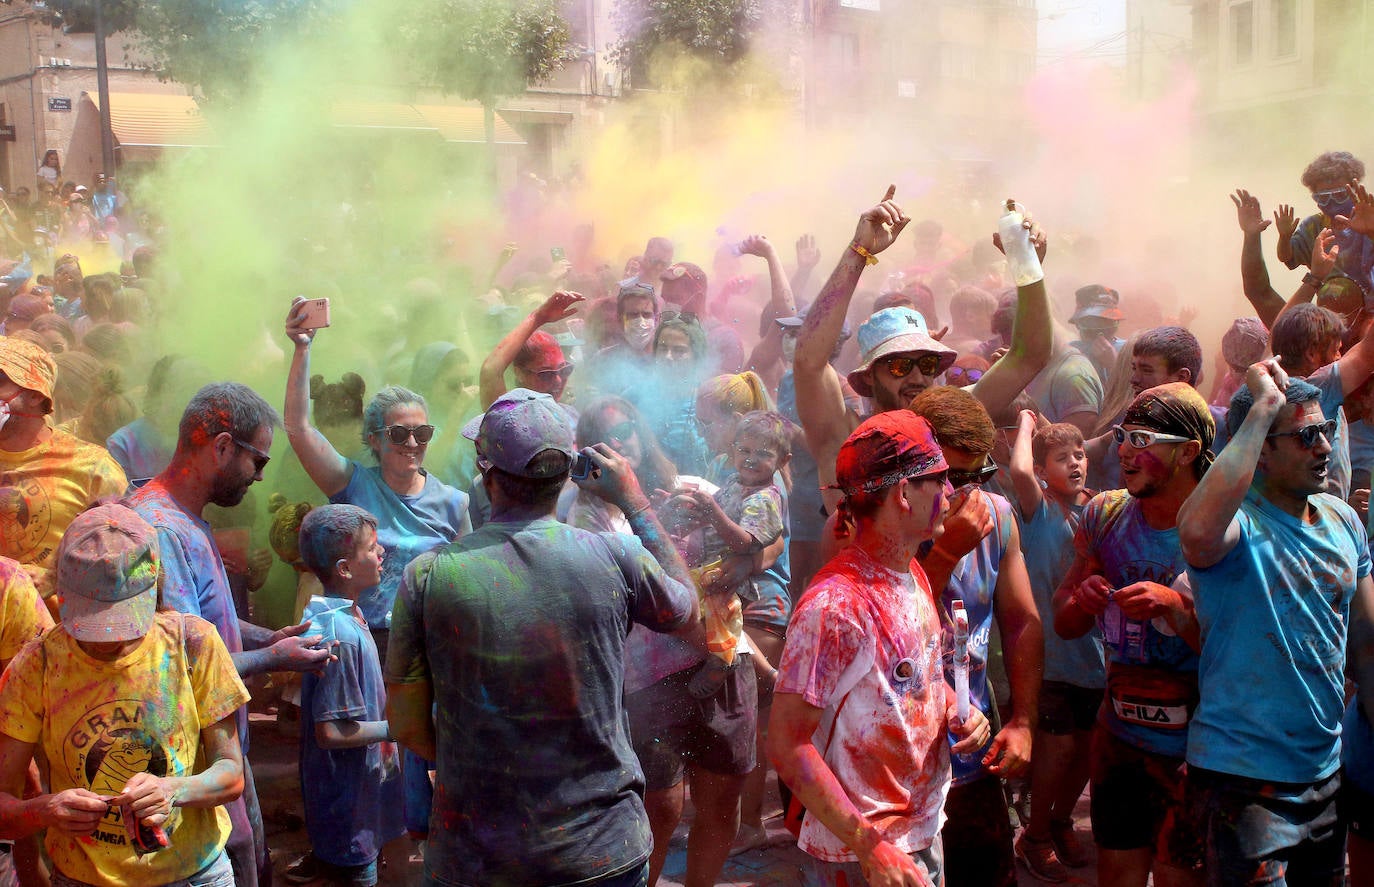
[492, 377]
[1032, 341]
[768, 351]
[1323, 261]
[325, 466]
[1254, 275]
[1023, 480]
[1357, 364]
[1207, 527]
[820, 399]
[808, 257]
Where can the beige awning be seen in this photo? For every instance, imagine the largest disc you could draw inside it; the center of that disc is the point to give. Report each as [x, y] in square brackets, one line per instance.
[463, 123]
[155, 120]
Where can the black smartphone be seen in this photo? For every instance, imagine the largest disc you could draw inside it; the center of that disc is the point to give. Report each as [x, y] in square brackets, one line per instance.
[557, 254]
[582, 467]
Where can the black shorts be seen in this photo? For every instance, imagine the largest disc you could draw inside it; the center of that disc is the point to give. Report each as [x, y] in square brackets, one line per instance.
[669, 728]
[1068, 708]
[1357, 808]
[977, 835]
[1139, 802]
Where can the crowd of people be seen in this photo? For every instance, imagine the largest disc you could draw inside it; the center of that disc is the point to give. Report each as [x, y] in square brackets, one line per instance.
[656, 538]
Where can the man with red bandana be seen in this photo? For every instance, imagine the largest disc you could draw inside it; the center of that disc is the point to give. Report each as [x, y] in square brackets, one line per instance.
[861, 707]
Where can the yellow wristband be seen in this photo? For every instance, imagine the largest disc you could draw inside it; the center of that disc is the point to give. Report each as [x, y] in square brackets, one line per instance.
[869, 258]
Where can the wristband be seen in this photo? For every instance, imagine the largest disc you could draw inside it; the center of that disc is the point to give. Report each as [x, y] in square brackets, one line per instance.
[1312, 280]
[638, 511]
[868, 257]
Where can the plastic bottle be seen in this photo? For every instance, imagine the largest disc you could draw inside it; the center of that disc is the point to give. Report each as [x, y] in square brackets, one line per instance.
[1022, 261]
[961, 700]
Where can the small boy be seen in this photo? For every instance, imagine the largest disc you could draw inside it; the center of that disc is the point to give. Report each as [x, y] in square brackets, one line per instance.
[349, 767]
[744, 517]
[1048, 469]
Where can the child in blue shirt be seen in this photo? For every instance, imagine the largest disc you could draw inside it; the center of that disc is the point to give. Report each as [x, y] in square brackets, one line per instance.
[349, 766]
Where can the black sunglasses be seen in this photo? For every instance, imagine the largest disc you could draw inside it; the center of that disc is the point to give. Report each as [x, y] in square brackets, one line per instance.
[260, 459]
[399, 434]
[973, 374]
[977, 476]
[1308, 434]
[901, 367]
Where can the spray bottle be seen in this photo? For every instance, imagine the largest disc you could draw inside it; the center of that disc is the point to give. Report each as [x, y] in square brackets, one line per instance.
[1022, 261]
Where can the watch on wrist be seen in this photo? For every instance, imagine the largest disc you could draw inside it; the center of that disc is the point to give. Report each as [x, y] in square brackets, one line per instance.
[1312, 280]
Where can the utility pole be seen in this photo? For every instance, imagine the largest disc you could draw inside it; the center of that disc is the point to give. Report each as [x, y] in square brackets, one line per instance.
[102, 79]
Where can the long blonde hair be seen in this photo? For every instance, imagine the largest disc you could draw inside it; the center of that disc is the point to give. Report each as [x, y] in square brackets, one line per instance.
[1118, 394]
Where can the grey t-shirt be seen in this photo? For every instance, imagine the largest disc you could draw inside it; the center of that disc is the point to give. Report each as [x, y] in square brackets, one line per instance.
[520, 629]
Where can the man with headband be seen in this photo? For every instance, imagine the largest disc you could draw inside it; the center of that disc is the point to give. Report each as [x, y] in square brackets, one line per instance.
[1280, 568]
[861, 707]
[1127, 560]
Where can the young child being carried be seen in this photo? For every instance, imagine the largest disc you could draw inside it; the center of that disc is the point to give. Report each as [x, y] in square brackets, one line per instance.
[744, 517]
[350, 769]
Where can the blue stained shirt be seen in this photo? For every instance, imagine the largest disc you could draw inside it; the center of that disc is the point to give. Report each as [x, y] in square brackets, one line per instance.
[351, 794]
[193, 576]
[974, 581]
[1047, 543]
[407, 526]
[1277, 606]
[1147, 702]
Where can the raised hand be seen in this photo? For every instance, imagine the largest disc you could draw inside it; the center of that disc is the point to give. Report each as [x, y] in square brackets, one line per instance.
[559, 306]
[1248, 214]
[808, 256]
[756, 245]
[879, 226]
[1286, 220]
[1325, 252]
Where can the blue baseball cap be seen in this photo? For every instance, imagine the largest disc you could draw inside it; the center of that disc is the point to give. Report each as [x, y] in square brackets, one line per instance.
[894, 331]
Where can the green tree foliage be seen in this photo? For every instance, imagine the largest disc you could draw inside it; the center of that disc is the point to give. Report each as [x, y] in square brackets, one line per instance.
[714, 31]
[484, 50]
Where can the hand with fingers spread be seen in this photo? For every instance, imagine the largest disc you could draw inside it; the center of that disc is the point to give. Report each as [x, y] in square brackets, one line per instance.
[1248, 214]
[1361, 219]
[878, 227]
[559, 306]
[1285, 221]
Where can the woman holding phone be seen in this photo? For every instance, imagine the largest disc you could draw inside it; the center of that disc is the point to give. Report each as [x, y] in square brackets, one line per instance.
[415, 510]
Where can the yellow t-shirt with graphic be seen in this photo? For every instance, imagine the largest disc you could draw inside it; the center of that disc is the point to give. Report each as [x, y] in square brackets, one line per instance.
[23, 615]
[98, 723]
[42, 489]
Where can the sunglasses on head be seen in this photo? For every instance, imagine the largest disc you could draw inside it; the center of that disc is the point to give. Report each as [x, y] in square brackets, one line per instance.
[901, 367]
[399, 434]
[977, 476]
[1308, 434]
[1140, 439]
[679, 316]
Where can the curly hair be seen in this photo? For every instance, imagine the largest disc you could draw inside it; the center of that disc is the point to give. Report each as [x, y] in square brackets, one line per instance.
[1332, 169]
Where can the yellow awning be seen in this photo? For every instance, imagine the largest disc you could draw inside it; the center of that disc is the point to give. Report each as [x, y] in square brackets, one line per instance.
[460, 123]
[160, 120]
[155, 120]
[378, 115]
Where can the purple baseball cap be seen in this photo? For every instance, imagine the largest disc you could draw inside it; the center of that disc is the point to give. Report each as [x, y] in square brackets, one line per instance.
[520, 425]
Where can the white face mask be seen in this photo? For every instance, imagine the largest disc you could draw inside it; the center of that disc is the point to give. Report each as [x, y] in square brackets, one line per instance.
[789, 349]
[639, 332]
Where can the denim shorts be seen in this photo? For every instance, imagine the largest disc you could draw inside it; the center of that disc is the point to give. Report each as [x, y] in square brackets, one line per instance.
[219, 873]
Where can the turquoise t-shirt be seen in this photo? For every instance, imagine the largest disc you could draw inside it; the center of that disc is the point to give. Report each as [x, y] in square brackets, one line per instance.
[1047, 542]
[407, 527]
[1274, 613]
